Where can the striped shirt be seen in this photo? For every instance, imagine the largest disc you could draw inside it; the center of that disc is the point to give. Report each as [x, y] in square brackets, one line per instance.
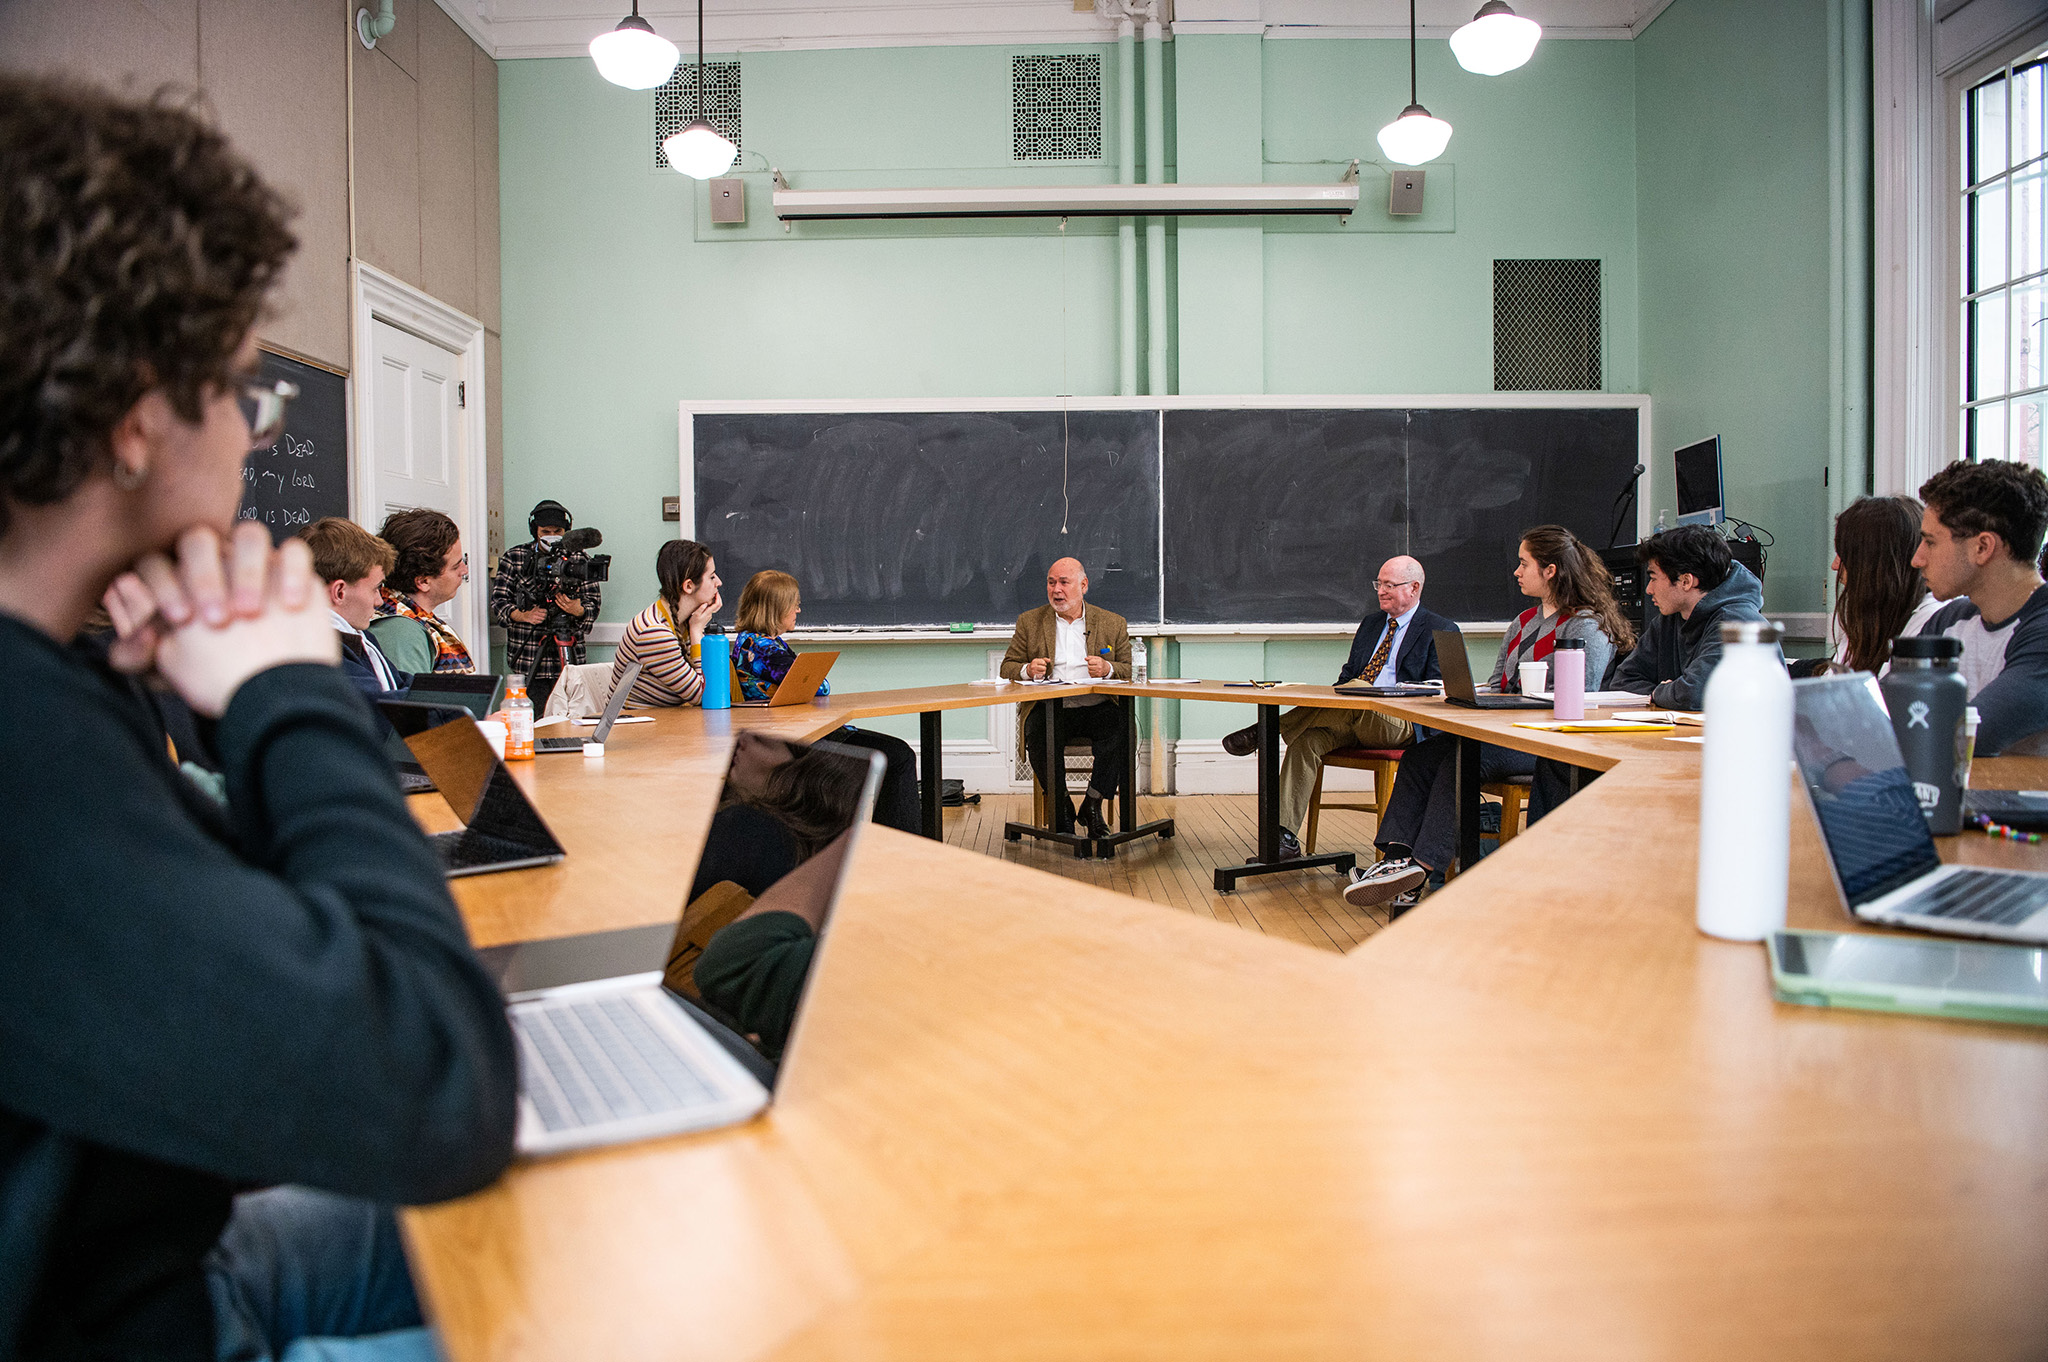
[667, 675]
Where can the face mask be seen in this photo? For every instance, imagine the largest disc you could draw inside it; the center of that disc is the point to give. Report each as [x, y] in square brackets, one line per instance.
[550, 540]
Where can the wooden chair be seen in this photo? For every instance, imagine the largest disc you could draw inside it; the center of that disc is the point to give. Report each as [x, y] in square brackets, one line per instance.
[1383, 762]
[1513, 794]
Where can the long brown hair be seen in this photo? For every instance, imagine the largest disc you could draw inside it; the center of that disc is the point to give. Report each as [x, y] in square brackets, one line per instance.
[676, 565]
[1582, 583]
[1876, 537]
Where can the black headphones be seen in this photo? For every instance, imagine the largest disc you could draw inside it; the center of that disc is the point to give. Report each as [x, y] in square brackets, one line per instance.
[534, 518]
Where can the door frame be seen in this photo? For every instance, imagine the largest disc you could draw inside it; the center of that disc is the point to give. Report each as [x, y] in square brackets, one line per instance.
[382, 297]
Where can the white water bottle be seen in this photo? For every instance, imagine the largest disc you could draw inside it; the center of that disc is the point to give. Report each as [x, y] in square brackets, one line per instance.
[1138, 660]
[1746, 787]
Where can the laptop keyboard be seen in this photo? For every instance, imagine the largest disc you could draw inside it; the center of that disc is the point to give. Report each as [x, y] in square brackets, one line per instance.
[559, 745]
[466, 848]
[2007, 900]
[591, 1061]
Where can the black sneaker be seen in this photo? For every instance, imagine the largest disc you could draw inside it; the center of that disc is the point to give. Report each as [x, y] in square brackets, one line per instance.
[1402, 902]
[1290, 849]
[1388, 880]
[1242, 743]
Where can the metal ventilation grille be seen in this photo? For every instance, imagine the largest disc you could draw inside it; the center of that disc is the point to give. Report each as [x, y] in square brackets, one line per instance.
[1056, 107]
[1546, 325]
[676, 103]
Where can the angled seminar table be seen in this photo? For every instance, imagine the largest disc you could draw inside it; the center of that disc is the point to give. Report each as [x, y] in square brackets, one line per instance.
[1540, 1116]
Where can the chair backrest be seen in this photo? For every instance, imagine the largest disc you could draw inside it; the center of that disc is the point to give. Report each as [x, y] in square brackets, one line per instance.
[582, 691]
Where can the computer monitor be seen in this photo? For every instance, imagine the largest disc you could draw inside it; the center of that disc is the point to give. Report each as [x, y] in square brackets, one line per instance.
[1699, 483]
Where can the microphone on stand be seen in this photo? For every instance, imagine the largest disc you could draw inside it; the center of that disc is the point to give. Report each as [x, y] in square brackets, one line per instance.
[1627, 492]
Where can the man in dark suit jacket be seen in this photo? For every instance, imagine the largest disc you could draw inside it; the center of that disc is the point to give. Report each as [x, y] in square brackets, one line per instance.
[1396, 642]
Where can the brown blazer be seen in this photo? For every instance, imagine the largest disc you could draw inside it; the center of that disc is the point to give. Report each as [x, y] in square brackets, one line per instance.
[1034, 638]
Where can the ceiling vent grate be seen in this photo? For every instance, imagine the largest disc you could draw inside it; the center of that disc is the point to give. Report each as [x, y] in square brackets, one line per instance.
[1546, 325]
[1056, 107]
[675, 103]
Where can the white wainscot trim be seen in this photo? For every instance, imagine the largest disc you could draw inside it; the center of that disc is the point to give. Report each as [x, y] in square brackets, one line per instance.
[1201, 766]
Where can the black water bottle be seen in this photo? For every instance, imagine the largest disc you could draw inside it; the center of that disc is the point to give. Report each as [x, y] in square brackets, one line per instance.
[1927, 697]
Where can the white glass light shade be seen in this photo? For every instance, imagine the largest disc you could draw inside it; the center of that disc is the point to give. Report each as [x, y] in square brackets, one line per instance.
[699, 150]
[1415, 137]
[1497, 40]
[634, 55]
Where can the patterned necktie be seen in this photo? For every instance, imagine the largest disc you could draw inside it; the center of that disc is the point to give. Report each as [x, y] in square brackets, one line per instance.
[1379, 654]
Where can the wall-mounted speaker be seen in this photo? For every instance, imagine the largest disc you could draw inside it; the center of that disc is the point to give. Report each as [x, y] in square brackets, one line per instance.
[729, 200]
[1404, 193]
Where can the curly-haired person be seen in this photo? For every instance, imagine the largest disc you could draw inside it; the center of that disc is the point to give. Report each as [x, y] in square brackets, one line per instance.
[206, 995]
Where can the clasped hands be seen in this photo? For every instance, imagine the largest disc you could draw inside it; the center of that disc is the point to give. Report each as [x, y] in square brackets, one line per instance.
[212, 613]
[1038, 668]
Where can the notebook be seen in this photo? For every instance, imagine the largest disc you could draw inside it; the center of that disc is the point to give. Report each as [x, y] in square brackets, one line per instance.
[1879, 849]
[606, 1053]
[501, 829]
[799, 684]
[1458, 686]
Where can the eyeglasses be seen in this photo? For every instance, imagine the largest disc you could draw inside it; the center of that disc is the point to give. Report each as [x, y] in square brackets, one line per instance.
[1382, 584]
[263, 405]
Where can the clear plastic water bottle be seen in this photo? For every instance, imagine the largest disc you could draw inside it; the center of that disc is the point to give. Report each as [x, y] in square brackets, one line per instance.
[717, 664]
[518, 719]
[1138, 661]
[1746, 787]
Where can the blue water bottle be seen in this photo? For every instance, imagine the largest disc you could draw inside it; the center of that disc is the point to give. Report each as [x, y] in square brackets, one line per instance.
[716, 662]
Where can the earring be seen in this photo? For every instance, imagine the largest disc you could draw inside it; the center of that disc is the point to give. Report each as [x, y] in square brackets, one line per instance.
[129, 479]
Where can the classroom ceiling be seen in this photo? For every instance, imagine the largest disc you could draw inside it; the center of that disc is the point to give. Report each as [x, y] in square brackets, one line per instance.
[510, 29]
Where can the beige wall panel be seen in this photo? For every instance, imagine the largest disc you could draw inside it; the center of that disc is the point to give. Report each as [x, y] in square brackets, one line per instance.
[447, 161]
[275, 75]
[387, 167]
[133, 46]
[402, 43]
[494, 450]
[488, 281]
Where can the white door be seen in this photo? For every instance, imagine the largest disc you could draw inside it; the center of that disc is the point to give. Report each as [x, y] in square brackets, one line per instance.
[416, 456]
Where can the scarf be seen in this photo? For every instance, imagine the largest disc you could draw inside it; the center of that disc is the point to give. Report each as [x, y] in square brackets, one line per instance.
[449, 653]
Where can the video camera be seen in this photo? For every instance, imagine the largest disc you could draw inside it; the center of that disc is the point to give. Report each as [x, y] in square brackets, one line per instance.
[563, 570]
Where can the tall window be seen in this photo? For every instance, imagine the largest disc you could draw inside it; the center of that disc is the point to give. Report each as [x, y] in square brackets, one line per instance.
[2005, 264]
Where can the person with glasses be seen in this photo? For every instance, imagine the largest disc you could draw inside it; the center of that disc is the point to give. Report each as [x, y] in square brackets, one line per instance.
[1394, 644]
[431, 569]
[242, 1024]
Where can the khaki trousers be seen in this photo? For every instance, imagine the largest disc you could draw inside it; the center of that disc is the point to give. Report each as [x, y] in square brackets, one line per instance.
[1312, 733]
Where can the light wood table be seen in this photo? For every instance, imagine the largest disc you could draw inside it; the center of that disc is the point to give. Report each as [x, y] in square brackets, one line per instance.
[1541, 1116]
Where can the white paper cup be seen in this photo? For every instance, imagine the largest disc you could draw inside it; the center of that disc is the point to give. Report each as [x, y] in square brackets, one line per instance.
[494, 734]
[1535, 677]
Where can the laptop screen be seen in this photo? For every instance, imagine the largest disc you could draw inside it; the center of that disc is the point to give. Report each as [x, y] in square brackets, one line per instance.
[478, 693]
[1869, 817]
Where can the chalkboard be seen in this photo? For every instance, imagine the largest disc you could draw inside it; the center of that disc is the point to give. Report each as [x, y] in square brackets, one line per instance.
[304, 476]
[1285, 516]
[920, 518]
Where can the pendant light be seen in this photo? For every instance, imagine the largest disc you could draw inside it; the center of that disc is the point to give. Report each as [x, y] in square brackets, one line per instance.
[699, 150]
[634, 55]
[1414, 137]
[1497, 40]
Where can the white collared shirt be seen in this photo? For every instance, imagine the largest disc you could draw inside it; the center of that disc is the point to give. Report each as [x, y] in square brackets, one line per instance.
[1070, 654]
[387, 676]
[1388, 676]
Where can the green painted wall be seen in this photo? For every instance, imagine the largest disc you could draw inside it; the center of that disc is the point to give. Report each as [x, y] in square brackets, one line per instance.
[1733, 227]
[621, 298]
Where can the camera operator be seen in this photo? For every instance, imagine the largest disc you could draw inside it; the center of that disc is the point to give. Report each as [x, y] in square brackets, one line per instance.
[546, 595]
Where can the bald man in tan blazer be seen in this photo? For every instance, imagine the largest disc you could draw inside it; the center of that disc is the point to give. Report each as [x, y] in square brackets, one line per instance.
[1067, 638]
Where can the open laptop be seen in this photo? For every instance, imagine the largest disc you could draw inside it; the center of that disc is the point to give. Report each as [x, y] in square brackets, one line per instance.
[799, 684]
[479, 693]
[612, 707]
[606, 1053]
[1458, 685]
[501, 828]
[1879, 849]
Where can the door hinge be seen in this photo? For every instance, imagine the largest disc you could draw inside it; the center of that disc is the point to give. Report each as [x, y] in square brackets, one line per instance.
[462, 396]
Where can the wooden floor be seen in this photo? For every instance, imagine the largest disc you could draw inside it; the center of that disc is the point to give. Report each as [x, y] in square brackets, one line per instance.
[1211, 830]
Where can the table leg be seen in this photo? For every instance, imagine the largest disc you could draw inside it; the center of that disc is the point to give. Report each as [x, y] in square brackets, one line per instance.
[1268, 860]
[1127, 798]
[929, 773]
[1466, 802]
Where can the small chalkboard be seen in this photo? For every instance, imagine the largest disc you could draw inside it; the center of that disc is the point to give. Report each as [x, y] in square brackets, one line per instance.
[304, 476]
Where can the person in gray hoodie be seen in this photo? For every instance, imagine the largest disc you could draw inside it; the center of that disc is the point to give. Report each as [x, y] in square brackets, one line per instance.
[1697, 587]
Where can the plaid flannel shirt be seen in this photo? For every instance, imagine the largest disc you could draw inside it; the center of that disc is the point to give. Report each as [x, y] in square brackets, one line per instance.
[530, 648]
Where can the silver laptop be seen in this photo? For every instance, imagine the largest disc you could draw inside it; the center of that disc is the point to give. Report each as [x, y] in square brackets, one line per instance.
[606, 1053]
[1460, 689]
[501, 830]
[612, 707]
[1879, 849]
